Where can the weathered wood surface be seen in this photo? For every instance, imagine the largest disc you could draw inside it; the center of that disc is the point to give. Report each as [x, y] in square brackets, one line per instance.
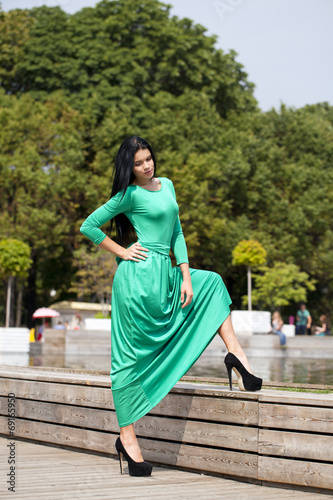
[62, 474]
[209, 381]
[304, 418]
[300, 472]
[55, 375]
[266, 385]
[189, 431]
[201, 427]
[293, 444]
[178, 405]
[296, 398]
[167, 453]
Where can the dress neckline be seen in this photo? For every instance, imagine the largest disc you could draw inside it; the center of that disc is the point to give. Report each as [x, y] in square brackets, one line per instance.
[150, 190]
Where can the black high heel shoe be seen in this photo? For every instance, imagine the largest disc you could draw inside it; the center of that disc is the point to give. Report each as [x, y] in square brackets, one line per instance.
[134, 468]
[246, 381]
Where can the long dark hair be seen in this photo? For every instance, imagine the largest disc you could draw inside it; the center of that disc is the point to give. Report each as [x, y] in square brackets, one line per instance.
[122, 177]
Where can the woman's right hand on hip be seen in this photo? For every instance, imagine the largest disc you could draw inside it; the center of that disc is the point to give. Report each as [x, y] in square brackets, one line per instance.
[135, 252]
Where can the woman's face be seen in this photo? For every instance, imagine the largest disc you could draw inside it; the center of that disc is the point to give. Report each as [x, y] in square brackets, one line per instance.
[143, 169]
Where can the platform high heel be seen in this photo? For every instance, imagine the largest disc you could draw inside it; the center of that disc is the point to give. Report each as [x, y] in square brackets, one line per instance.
[134, 468]
[246, 381]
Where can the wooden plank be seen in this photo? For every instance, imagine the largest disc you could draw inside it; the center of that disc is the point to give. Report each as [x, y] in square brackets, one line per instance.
[216, 391]
[208, 408]
[200, 458]
[52, 369]
[71, 474]
[81, 395]
[303, 418]
[297, 445]
[265, 395]
[196, 432]
[296, 398]
[174, 404]
[182, 455]
[300, 472]
[82, 378]
[50, 376]
[267, 384]
[62, 434]
[199, 432]
[79, 416]
[208, 428]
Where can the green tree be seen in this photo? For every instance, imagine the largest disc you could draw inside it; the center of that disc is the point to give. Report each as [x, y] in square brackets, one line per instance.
[123, 51]
[94, 277]
[249, 253]
[14, 262]
[14, 32]
[43, 187]
[280, 285]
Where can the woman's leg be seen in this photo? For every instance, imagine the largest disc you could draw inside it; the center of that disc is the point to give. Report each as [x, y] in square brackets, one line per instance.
[228, 336]
[226, 331]
[130, 442]
[283, 339]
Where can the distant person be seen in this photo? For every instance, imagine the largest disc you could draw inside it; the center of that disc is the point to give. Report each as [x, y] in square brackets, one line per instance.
[76, 322]
[303, 320]
[277, 324]
[40, 333]
[66, 325]
[32, 334]
[59, 326]
[324, 329]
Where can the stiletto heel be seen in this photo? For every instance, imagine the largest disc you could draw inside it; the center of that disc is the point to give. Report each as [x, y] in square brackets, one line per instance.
[134, 468]
[120, 456]
[229, 368]
[246, 381]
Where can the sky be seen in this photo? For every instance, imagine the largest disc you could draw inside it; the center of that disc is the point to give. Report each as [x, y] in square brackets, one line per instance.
[285, 46]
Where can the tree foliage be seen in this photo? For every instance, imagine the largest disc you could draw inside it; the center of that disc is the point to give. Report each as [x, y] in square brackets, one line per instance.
[249, 253]
[123, 51]
[14, 258]
[280, 285]
[94, 277]
[73, 87]
[14, 263]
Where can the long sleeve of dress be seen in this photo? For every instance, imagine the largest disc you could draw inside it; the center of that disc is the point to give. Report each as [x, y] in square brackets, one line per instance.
[178, 244]
[116, 205]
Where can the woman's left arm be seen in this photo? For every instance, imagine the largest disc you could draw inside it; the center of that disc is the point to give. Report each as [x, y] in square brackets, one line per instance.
[178, 246]
[186, 288]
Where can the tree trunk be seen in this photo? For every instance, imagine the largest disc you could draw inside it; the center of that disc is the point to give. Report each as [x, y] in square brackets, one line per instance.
[249, 288]
[9, 299]
[31, 289]
[19, 305]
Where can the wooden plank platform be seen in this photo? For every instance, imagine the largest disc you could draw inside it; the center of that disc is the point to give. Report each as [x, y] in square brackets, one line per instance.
[270, 436]
[59, 474]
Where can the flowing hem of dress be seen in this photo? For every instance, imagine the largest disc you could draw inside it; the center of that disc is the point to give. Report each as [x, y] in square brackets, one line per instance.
[153, 404]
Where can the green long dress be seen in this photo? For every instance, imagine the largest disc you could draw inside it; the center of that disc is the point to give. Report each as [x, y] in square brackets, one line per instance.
[154, 341]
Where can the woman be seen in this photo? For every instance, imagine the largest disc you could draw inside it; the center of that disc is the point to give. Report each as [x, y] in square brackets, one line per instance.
[162, 317]
[277, 324]
[324, 329]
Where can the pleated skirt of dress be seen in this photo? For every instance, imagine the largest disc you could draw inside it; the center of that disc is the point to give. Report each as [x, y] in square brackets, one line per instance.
[154, 342]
